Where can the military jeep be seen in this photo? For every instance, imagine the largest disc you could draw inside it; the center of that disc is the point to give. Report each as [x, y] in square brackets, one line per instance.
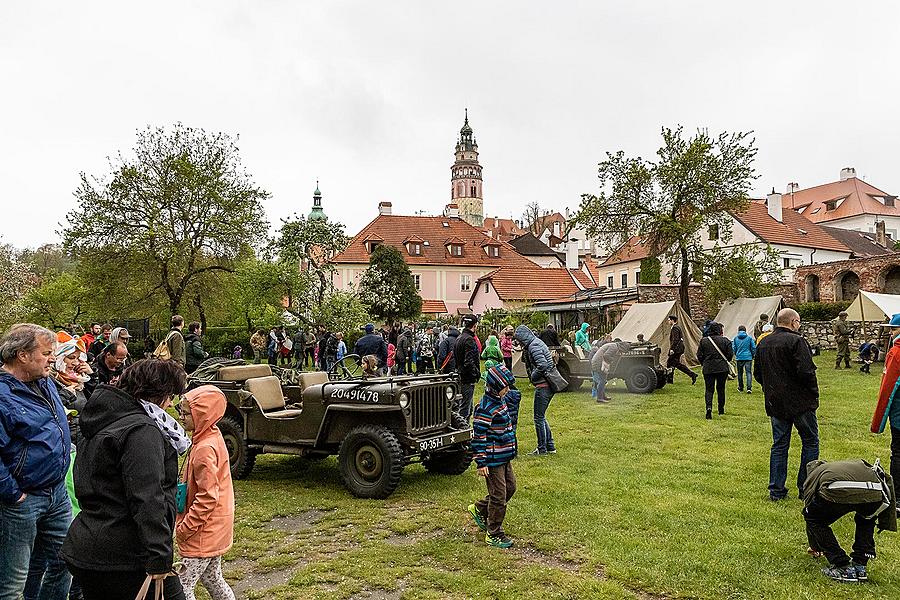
[639, 367]
[375, 426]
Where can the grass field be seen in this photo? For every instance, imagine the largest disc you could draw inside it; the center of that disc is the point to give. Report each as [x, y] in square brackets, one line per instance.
[645, 499]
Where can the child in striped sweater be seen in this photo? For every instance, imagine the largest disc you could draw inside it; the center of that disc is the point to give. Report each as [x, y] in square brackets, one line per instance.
[494, 444]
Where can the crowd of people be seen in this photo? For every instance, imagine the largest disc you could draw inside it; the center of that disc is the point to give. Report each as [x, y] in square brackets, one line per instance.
[90, 485]
[91, 496]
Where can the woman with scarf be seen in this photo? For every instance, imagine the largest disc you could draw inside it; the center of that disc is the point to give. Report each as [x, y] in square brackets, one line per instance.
[70, 371]
[126, 473]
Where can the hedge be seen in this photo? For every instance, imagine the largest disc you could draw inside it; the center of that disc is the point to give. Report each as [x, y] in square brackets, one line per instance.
[821, 311]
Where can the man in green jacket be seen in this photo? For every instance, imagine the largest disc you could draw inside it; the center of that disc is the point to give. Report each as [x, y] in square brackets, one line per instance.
[175, 340]
[835, 489]
[841, 330]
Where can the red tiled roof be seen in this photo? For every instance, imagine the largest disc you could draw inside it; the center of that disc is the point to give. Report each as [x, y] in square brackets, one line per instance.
[858, 197]
[502, 229]
[633, 249]
[789, 232]
[434, 307]
[583, 279]
[394, 229]
[533, 283]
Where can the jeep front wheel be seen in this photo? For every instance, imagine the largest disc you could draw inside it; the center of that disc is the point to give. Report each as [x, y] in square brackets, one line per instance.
[240, 456]
[641, 380]
[371, 461]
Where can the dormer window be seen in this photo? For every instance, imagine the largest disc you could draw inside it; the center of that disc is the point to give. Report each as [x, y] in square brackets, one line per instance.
[372, 245]
[831, 205]
[415, 249]
[456, 249]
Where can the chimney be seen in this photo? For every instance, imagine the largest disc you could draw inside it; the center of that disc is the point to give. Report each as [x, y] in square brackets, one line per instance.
[793, 187]
[880, 234]
[847, 173]
[384, 208]
[773, 205]
[572, 261]
[496, 222]
[453, 211]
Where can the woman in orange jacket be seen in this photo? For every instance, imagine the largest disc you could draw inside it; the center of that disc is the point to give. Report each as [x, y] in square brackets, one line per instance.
[205, 530]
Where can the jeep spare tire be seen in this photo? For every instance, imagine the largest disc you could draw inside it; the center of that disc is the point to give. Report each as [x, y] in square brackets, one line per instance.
[566, 372]
[641, 380]
[240, 456]
[371, 461]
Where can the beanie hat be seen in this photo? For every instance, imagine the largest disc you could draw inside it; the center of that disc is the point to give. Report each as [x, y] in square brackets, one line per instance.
[498, 377]
[369, 328]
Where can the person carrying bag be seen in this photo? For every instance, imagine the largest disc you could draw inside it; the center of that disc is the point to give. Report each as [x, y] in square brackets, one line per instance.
[714, 354]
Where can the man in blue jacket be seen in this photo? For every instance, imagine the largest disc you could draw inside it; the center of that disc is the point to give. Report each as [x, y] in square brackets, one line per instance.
[372, 343]
[744, 348]
[35, 511]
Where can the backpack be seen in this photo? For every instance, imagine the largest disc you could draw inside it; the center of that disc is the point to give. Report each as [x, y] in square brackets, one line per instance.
[162, 350]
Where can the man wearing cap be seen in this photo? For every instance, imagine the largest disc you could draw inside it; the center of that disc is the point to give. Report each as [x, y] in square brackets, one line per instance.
[758, 328]
[372, 344]
[35, 445]
[841, 330]
[888, 406]
[468, 364]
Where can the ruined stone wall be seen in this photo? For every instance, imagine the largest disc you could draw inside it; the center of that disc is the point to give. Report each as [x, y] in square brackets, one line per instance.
[876, 274]
[819, 333]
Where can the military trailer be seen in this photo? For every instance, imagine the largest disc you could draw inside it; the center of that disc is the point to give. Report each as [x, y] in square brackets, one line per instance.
[375, 426]
[639, 367]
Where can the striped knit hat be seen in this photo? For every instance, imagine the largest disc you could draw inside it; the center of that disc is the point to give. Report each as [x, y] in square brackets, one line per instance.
[498, 378]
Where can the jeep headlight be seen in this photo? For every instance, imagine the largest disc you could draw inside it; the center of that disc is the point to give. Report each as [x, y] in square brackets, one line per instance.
[404, 400]
[449, 392]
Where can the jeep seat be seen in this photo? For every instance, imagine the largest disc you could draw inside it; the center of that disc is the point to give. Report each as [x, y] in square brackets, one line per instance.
[312, 378]
[269, 397]
[579, 352]
[240, 373]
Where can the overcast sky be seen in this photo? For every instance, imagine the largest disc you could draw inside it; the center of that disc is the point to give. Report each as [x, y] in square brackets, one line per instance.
[368, 97]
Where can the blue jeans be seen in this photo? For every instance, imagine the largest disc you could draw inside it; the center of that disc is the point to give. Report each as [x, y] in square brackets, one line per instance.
[36, 526]
[745, 372]
[808, 428]
[465, 407]
[598, 378]
[542, 397]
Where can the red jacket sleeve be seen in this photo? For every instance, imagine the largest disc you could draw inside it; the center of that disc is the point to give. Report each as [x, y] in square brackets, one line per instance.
[888, 381]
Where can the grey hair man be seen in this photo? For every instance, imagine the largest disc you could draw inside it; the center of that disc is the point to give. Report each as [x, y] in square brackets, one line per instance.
[784, 368]
[35, 446]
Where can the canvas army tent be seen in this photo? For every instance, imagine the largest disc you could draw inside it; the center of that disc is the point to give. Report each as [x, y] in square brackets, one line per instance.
[746, 311]
[651, 320]
[872, 307]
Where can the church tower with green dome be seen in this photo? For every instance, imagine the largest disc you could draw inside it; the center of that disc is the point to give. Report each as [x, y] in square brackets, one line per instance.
[465, 177]
[317, 213]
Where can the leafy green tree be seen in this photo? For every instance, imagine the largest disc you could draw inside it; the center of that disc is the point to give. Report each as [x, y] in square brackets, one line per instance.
[17, 281]
[309, 245]
[180, 209]
[57, 302]
[342, 311]
[742, 272]
[651, 270]
[263, 287]
[387, 287]
[694, 183]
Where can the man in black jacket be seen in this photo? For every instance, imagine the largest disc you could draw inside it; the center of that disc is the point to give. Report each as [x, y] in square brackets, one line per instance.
[468, 364]
[676, 351]
[785, 369]
[445, 359]
[372, 343]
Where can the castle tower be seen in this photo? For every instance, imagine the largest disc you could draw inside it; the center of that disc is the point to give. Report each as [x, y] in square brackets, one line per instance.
[465, 178]
[317, 213]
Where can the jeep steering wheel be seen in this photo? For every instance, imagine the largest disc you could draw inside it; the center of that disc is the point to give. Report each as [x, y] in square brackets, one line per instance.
[349, 367]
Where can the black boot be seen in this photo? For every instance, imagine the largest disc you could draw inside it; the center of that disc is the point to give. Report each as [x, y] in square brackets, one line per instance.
[709, 413]
[721, 409]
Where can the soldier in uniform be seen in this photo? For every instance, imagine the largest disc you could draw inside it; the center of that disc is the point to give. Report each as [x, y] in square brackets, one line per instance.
[758, 328]
[841, 330]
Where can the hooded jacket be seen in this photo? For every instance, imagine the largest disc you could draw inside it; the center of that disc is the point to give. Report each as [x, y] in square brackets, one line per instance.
[744, 346]
[821, 475]
[445, 350]
[581, 338]
[466, 353]
[492, 349]
[889, 394]
[493, 433]
[404, 345]
[34, 438]
[206, 528]
[536, 355]
[125, 478]
[606, 353]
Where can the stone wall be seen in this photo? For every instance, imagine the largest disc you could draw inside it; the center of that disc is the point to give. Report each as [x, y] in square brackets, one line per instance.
[657, 292]
[789, 292]
[818, 333]
[835, 281]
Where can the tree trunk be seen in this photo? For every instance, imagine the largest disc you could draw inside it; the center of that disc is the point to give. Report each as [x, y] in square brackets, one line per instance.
[249, 323]
[199, 304]
[684, 282]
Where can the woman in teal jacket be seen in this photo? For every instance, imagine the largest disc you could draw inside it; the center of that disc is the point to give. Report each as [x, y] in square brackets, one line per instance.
[581, 338]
